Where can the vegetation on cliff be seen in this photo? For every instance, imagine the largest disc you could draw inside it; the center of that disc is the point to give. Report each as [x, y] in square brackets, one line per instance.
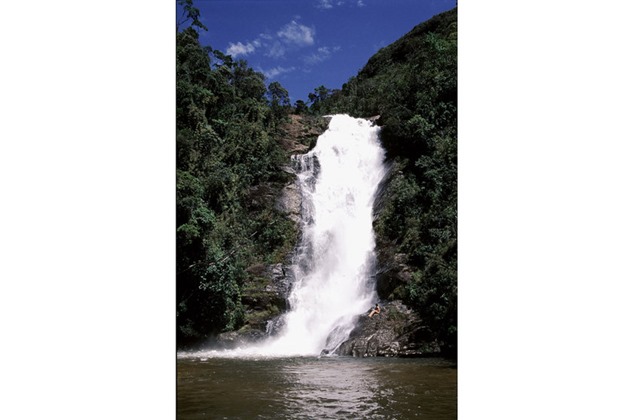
[227, 121]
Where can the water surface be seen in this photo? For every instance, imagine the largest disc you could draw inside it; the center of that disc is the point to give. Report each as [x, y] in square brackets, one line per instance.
[310, 387]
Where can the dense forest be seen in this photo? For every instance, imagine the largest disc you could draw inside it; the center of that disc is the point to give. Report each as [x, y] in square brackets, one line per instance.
[226, 123]
[229, 147]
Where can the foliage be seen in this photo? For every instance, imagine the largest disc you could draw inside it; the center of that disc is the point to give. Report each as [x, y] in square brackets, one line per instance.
[279, 101]
[301, 107]
[318, 98]
[412, 85]
[190, 13]
[226, 120]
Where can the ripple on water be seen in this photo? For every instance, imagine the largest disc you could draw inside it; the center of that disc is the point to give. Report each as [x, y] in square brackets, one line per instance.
[299, 388]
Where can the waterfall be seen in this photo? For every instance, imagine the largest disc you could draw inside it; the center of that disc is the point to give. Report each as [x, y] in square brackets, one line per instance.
[333, 268]
[334, 265]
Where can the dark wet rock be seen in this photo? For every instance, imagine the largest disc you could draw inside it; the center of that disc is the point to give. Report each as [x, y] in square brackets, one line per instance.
[264, 298]
[264, 295]
[280, 281]
[233, 339]
[396, 332]
[275, 325]
[394, 274]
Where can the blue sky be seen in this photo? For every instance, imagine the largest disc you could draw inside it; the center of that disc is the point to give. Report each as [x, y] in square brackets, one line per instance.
[307, 43]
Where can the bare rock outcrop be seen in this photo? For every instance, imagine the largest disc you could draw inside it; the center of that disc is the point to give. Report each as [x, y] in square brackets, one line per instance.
[396, 332]
[290, 202]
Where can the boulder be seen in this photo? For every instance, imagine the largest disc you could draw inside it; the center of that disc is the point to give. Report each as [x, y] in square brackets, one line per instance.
[396, 332]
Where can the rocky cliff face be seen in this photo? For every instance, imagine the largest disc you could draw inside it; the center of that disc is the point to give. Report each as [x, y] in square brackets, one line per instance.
[396, 332]
[299, 136]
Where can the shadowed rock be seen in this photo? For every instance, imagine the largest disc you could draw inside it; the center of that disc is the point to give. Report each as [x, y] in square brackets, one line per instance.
[396, 332]
[234, 339]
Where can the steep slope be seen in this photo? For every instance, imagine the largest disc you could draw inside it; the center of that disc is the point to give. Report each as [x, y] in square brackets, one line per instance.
[412, 85]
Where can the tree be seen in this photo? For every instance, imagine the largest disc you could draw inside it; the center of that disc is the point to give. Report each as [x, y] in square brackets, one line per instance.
[318, 97]
[278, 96]
[278, 100]
[301, 107]
[190, 13]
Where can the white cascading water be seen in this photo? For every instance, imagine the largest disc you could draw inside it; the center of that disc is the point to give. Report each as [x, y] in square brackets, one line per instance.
[334, 266]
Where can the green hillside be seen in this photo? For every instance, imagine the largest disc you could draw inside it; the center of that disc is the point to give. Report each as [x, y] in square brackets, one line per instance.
[412, 85]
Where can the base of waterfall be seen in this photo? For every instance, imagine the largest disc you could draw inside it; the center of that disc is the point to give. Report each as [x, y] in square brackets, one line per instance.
[396, 332]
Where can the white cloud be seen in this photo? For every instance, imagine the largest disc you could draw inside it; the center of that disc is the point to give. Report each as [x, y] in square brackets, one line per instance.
[242, 49]
[276, 50]
[291, 36]
[276, 71]
[322, 54]
[298, 34]
[324, 4]
[314, 58]
[329, 4]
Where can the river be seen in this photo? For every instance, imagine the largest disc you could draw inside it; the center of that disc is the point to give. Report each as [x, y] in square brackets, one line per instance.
[314, 387]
